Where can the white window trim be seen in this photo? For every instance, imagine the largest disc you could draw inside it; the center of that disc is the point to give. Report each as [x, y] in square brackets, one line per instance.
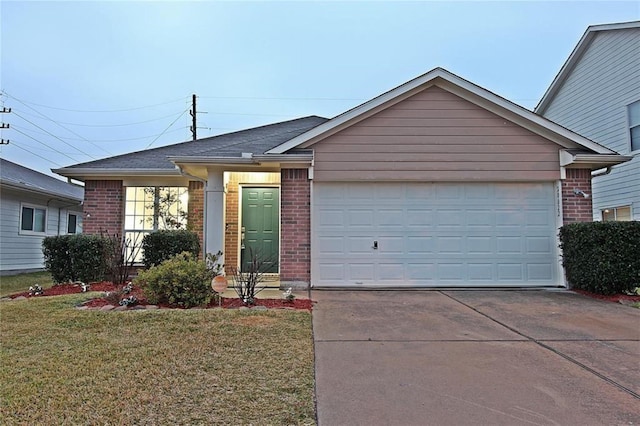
[33, 206]
[628, 129]
[615, 212]
[77, 216]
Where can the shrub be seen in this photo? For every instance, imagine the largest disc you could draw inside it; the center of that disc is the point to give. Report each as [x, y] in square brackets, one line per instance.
[78, 257]
[181, 281]
[602, 257]
[162, 245]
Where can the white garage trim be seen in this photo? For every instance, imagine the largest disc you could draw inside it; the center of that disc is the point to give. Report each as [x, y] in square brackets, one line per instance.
[434, 235]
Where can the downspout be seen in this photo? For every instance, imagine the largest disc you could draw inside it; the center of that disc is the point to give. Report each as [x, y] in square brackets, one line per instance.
[606, 171]
[204, 208]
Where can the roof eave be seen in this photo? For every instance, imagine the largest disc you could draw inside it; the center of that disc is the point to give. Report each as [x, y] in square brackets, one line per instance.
[112, 174]
[591, 161]
[470, 91]
[27, 188]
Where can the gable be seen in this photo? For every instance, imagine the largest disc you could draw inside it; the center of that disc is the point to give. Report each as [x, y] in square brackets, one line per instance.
[435, 135]
[592, 98]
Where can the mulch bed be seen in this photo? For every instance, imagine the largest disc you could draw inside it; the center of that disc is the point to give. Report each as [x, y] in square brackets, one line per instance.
[616, 298]
[226, 302]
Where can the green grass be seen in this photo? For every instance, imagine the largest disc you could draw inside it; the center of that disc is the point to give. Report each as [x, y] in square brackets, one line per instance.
[12, 284]
[67, 366]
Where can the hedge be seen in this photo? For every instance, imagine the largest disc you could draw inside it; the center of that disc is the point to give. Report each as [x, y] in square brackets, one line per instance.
[602, 257]
[162, 245]
[77, 257]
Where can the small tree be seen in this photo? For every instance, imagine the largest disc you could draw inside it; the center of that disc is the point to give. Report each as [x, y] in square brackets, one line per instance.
[121, 255]
[249, 281]
[166, 208]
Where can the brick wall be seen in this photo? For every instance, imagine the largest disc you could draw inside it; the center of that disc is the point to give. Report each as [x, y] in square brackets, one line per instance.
[231, 224]
[576, 208]
[195, 213]
[103, 207]
[295, 250]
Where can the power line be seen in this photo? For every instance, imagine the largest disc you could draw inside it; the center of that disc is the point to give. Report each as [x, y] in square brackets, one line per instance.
[39, 156]
[112, 140]
[165, 130]
[59, 125]
[281, 99]
[48, 146]
[51, 134]
[104, 125]
[98, 111]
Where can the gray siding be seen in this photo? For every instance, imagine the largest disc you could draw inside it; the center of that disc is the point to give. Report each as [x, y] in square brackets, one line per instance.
[592, 102]
[18, 251]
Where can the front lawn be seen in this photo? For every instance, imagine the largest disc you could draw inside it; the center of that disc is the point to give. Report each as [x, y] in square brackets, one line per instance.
[67, 366]
[11, 284]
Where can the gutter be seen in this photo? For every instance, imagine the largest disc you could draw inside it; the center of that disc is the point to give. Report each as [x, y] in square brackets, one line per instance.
[591, 161]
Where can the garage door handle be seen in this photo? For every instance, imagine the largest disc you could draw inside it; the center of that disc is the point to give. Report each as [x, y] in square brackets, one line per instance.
[375, 245]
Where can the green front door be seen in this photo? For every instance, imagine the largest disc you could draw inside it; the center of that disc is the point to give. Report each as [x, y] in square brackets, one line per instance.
[260, 232]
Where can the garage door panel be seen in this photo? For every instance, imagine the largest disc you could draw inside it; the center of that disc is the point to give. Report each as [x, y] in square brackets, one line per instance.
[458, 234]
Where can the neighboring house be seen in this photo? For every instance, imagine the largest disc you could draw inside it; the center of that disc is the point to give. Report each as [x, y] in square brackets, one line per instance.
[597, 94]
[437, 182]
[33, 206]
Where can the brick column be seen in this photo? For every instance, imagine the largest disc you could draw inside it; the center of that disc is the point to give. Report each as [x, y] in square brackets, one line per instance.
[103, 207]
[575, 207]
[231, 224]
[195, 213]
[295, 249]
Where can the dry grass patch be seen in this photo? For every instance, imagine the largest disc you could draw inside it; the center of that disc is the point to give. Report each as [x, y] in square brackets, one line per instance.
[11, 284]
[153, 367]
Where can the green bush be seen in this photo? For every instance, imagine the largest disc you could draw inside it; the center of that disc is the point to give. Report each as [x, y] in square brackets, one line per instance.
[161, 245]
[181, 281]
[78, 257]
[602, 257]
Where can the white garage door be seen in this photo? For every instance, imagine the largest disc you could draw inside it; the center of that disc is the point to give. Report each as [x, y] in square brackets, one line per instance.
[417, 234]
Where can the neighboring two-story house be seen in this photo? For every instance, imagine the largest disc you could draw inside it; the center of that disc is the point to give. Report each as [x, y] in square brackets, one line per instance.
[597, 95]
[32, 207]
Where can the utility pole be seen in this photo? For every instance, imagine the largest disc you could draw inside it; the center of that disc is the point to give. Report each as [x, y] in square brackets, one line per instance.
[193, 117]
[5, 110]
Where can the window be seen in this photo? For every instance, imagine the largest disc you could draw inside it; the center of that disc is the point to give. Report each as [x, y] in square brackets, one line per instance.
[33, 219]
[620, 214]
[72, 224]
[634, 125]
[153, 208]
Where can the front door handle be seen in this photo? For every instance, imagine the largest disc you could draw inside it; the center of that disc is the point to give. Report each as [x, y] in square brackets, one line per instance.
[375, 244]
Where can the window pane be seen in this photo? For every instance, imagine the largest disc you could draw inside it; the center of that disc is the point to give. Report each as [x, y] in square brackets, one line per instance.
[27, 219]
[635, 138]
[608, 215]
[38, 220]
[634, 114]
[71, 224]
[623, 214]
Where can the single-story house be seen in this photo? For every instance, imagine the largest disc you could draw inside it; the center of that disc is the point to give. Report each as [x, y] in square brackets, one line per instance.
[437, 182]
[33, 206]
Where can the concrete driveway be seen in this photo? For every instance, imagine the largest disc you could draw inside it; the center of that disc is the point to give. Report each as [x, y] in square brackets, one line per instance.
[431, 357]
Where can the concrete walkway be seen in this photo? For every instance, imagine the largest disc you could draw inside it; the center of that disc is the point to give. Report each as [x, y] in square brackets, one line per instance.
[475, 358]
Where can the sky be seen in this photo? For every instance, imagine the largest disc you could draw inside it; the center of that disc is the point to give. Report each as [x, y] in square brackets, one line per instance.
[87, 80]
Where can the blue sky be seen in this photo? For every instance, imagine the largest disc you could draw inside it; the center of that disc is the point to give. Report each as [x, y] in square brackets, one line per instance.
[86, 80]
